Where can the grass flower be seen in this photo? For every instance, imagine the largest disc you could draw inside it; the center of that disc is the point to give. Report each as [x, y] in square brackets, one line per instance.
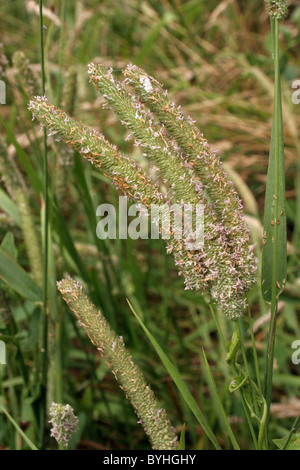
[152, 417]
[277, 9]
[224, 268]
[25, 74]
[64, 423]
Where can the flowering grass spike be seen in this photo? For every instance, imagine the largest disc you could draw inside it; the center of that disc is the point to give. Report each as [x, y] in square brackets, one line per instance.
[188, 172]
[152, 417]
[277, 9]
[64, 423]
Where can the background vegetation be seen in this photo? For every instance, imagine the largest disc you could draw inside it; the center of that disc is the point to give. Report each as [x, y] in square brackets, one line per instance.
[215, 59]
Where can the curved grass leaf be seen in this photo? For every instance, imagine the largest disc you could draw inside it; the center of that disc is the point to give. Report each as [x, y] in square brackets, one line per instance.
[182, 439]
[294, 442]
[10, 207]
[13, 275]
[31, 172]
[19, 430]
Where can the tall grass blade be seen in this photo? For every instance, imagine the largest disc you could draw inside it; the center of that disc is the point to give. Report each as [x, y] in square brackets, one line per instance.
[19, 430]
[10, 207]
[44, 323]
[220, 409]
[275, 238]
[275, 241]
[13, 275]
[25, 162]
[182, 439]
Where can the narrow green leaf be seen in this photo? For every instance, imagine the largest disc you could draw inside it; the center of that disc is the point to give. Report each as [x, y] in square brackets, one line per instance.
[233, 346]
[274, 239]
[219, 405]
[65, 238]
[8, 245]
[17, 278]
[10, 207]
[181, 445]
[294, 443]
[150, 40]
[19, 430]
[25, 161]
[293, 434]
[184, 391]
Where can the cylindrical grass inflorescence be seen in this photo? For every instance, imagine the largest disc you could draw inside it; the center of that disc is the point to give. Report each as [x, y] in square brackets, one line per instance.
[16, 188]
[206, 165]
[92, 145]
[129, 376]
[25, 74]
[174, 144]
[224, 268]
[64, 153]
[123, 172]
[70, 90]
[64, 423]
[3, 62]
[277, 9]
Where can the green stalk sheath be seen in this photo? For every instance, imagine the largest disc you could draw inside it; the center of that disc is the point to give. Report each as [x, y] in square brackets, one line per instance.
[243, 351]
[153, 418]
[274, 238]
[219, 405]
[231, 351]
[274, 256]
[261, 433]
[60, 53]
[255, 359]
[44, 339]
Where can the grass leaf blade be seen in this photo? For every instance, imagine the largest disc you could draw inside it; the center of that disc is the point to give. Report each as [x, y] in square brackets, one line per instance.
[17, 278]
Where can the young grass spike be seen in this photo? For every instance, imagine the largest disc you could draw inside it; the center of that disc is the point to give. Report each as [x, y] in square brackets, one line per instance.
[277, 9]
[152, 417]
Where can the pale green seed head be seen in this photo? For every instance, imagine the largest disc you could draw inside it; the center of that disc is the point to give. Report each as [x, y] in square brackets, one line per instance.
[277, 9]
